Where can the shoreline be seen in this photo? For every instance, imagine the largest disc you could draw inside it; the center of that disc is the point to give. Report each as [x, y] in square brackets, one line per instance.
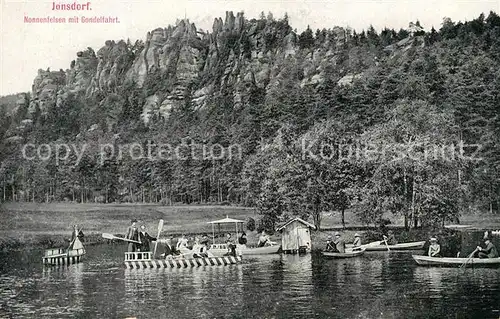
[48, 225]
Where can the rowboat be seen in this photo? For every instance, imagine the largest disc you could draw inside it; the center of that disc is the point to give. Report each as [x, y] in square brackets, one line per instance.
[380, 246]
[140, 260]
[349, 253]
[61, 256]
[455, 262]
[221, 250]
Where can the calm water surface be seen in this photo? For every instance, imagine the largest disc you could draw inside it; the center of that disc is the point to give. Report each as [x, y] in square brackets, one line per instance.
[376, 285]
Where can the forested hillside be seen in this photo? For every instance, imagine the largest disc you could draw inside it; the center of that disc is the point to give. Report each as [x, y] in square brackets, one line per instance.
[375, 121]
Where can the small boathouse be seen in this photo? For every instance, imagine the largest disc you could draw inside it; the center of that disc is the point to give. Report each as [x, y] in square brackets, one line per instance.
[296, 236]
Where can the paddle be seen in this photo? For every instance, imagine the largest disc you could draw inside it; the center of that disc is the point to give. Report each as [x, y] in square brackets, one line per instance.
[385, 241]
[160, 227]
[469, 258]
[110, 236]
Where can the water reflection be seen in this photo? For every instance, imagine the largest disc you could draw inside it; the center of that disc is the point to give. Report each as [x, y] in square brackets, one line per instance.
[376, 285]
[431, 278]
[183, 291]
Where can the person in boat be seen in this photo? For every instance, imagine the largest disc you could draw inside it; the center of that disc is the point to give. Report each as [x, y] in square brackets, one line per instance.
[182, 244]
[206, 246]
[231, 247]
[145, 239]
[330, 246]
[76, 238]
[132, 234]
[489, 252]
[169, 249]
[199, 249]
[339, 243]
[243, 239]
[357, 240]
[263, 239]
[434, 248]
[390, 239]
[205, 240]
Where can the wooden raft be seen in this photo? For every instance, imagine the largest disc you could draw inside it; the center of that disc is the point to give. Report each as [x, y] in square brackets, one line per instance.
[60, 256]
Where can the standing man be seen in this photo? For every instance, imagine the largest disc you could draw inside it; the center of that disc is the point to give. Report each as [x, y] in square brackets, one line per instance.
[339, 243]
[132, 234]
[145, 239]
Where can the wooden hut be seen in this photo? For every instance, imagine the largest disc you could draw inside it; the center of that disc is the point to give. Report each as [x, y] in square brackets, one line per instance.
[296, 236]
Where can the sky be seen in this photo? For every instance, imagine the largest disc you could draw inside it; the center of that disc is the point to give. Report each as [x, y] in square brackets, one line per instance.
[27, 47]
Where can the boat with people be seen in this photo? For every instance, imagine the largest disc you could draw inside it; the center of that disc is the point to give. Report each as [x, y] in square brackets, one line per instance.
[181, 258]
[456, 262]
[221, 249]
[349, 253]
[381, 246]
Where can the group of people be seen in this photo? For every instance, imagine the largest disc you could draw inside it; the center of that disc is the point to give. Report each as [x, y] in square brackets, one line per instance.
[489, 251]
[337, 244]
[140, 240]
[140, 236]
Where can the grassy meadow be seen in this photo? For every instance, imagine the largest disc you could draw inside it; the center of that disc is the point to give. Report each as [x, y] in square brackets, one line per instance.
[49, 225]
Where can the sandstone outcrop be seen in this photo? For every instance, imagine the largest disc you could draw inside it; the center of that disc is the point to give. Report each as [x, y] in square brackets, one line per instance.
[180, 65]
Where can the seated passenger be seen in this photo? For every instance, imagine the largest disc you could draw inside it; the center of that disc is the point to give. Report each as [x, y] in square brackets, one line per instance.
[390, 239]
[434, 248]
[231, 246]
[199, 249]
[169, 249]
[263, 239]
[206, 246]
[330, 246]
[357, 240]
[243, 239]
[182, 245]
[489, 252]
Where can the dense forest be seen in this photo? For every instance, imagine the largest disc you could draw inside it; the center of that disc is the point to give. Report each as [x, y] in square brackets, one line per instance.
[375, 121]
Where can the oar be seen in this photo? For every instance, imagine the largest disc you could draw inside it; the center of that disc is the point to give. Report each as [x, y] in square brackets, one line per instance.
[385, 241]
[469, 258]
[160, 227]
[110, 236]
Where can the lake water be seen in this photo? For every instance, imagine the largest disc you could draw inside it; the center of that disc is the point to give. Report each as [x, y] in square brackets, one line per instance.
[376, 285]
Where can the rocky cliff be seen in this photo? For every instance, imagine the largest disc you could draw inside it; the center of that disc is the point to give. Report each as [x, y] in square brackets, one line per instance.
[180, 62]
[180, 65]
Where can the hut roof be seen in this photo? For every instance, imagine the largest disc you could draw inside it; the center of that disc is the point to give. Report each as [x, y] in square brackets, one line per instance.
[293, 220]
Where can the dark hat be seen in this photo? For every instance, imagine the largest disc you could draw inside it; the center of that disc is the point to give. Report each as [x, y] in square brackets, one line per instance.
[133, 221]
[486, 238]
